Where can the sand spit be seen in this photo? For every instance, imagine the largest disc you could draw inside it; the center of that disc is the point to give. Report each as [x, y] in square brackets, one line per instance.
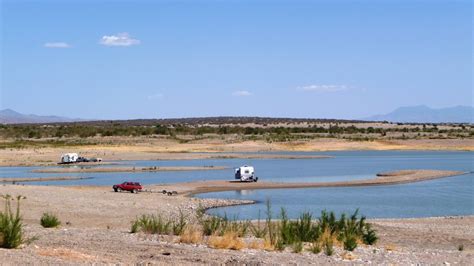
[127, 169]
[390, 178]
[40, 179]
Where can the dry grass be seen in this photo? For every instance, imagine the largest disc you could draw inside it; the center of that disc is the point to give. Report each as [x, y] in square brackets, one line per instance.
[229, 240]
[391, 247]
[267, 245]
[255, 244]
[191, 235]
[65, 254]
[348, 256]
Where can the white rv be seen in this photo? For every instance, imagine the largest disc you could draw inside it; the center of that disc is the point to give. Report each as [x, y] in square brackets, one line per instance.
[69, 158]
[246, 173]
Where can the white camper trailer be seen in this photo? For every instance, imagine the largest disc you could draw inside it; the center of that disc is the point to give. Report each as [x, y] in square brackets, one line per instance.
[69, 158]
[246, 173]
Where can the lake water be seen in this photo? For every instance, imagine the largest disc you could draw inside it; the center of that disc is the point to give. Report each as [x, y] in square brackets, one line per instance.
[448, 196]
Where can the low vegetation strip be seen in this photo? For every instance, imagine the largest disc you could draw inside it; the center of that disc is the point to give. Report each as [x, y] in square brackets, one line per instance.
[275, 235]
[398, 177]
[128, 169]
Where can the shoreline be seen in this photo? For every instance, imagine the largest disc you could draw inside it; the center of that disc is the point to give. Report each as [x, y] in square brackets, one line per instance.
[128, 169]
[40, 179]
[130, 149]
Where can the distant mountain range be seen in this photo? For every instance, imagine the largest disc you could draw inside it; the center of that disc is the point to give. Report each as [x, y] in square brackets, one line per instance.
[8, 116]
[425, 114]
[413, 114]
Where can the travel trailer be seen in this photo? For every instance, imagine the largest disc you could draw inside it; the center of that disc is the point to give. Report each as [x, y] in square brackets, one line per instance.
[246, 174]
[69, 158]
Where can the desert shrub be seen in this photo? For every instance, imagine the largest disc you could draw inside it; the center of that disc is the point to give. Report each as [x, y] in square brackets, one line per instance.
[135, 226]
[151, 224]
[461, 247]
[11, 226]
[229, 240]
[280, 245]
[350, 242]
[304, 229]
[301, 230]
[271, 228]
[369, 235]
[258, 230]
[239, 227]
[315, 248]
[200, 211]
[49, 220]
[286, 230]
[179, 225]
[211, 225]
[297, 247]
[191, 235]
[329, 247]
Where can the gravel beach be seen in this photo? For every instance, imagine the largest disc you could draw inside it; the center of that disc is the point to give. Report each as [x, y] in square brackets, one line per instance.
[96, 223]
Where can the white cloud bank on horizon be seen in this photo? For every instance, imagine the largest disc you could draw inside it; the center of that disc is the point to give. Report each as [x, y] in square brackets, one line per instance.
[241, 93]
[324, 88]
[120, 39]
[56, 45]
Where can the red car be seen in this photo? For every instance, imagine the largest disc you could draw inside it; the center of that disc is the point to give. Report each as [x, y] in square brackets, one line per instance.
[133, 187]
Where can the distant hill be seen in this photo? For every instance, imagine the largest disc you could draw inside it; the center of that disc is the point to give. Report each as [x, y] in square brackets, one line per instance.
[425, 114]
[8, 116]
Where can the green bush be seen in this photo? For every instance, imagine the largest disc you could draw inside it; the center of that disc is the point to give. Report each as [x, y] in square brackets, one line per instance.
[151, 224]
[350, 242]
[315, 248]
[297, 247]
[49, 220]
[179, 225]
[11, 226]
[328, 247]
[211, 225]
[258, 230]
[369, 235]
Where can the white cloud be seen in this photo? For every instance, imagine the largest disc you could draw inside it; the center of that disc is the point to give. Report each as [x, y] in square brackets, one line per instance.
[324, 88]
[56, 45]
[241, 93]
[156, 96]
[120, 39]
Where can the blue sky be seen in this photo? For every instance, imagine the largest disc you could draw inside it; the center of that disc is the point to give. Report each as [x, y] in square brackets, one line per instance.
[158, 59]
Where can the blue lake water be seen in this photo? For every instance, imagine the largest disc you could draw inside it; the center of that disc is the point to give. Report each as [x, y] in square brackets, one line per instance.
[441, 197]
[447, 196]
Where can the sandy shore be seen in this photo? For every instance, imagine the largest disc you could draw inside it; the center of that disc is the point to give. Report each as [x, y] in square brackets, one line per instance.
[96, 221]
[127, 169]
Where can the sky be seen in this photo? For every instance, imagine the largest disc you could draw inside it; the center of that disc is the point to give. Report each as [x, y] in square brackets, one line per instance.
[168, 59]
